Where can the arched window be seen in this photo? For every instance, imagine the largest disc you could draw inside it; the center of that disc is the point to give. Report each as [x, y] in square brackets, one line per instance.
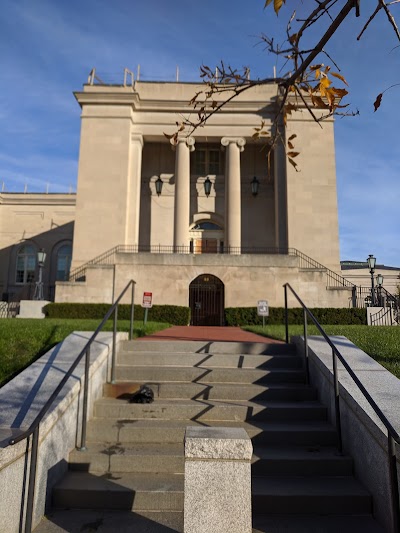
[26, 264]
[206, 226]
[64, 255]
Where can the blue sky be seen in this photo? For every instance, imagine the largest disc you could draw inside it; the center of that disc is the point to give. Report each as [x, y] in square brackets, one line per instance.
[48, 47]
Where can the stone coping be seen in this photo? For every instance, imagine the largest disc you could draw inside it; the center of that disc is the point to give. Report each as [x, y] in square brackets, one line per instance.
[23, 397]
[218, 443]
[383, 386]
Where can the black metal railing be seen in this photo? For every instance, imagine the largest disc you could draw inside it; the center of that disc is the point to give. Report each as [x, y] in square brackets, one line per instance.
[392, 435]
[333, 280]
[33, 430]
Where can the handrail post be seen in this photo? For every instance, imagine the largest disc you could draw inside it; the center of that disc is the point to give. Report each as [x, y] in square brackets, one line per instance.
[393, 483]
[286, 317]
[32, 480]
[132, 311]
[114, 346]
[85, 400]
[306, 345]
[337, 401]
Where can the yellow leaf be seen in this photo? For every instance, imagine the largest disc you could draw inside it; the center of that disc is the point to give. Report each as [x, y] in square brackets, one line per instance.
[277, 5]
[267, 3]
[339, 76]
[317, 74]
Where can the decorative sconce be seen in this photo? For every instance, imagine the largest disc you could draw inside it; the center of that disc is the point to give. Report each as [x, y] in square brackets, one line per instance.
[254, 186]
[159, 185]
[207, 186]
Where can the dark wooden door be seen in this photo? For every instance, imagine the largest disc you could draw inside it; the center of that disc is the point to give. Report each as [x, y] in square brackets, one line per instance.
[206, 301]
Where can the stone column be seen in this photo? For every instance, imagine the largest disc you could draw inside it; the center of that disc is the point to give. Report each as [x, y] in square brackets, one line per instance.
[217, 480]
[233, 219]
[182, 192]
[134, 189]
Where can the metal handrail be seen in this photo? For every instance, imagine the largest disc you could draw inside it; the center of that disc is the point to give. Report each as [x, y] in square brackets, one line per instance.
[305, 262]
[393, 435]
[35, 425]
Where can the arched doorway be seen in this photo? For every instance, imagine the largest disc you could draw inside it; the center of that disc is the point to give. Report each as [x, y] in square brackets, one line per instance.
[206, 301]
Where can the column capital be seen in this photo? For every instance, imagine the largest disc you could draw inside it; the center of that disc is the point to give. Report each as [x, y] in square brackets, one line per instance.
[189, 141]
[137, 137]
[239, 141]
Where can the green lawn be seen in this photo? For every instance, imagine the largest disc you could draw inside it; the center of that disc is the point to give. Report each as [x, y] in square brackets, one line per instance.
[24, 340]
[380, 342]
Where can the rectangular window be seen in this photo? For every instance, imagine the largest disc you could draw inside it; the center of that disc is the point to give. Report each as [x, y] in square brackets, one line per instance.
[207, 161]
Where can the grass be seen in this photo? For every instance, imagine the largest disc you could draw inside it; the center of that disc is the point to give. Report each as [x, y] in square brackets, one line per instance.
[23, 341]
[380, 342]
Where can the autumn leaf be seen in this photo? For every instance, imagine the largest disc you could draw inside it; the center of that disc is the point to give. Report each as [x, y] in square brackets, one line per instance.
[293, 163]
[318, 102]
[169, 136]
[291, 145]
[293, 136]
[339, 76]
[316, 67]
[340, 92]
[378, 101]
[277, 4]
[293, 154]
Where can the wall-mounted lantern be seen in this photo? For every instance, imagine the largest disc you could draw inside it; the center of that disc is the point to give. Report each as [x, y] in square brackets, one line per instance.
[159, 185]
[254, 186]
[207, 186]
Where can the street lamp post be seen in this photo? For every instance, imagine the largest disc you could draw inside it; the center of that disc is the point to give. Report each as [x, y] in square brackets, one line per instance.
[379, 281]
[371, 265]
[41, 258]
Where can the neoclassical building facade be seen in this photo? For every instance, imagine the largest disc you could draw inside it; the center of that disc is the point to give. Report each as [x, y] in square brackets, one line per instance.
[210, 220]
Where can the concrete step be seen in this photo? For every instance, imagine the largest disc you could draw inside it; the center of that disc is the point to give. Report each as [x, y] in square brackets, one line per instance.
[300, 461]
[307, 495]
[89, 521]
[209, 360]
[208, 347]
[144, 374]
[209, 410]
[315, 524]
[220, 391]
[123, 431]
[136, 492]
[169, 458]
[115, 458]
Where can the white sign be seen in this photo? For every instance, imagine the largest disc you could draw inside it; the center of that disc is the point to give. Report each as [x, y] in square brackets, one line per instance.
[262, 308]
[147, 299]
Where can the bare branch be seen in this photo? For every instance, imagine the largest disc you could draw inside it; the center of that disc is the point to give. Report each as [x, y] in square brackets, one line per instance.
[390, 18]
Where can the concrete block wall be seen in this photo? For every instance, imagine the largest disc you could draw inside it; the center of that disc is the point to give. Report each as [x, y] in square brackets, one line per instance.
[21, 400]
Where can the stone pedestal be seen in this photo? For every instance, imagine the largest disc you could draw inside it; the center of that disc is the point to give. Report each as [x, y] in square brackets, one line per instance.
[217, 480]
[32, 308]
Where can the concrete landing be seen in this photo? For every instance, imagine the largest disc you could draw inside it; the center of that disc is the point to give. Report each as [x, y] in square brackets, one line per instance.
[208, 333]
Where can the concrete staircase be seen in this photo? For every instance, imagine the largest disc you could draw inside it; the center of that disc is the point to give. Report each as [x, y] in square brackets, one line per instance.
[134, 459]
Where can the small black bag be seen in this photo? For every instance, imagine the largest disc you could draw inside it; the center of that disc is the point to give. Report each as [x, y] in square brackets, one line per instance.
[143, 395]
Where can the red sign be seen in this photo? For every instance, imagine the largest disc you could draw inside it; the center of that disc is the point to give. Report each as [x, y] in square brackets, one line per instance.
[147, 299]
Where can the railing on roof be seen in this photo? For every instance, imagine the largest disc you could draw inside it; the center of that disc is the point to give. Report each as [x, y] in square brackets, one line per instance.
[392, 434]
[334, 280]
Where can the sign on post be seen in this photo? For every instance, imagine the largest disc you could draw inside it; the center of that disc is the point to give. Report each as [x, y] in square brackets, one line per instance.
[263, 309]
[147, 303]
[147, 300]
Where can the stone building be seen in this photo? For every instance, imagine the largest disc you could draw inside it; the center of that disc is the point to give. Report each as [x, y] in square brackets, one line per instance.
[205, 222]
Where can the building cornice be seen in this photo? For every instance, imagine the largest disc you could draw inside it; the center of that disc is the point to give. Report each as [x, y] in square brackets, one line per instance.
[61, 199]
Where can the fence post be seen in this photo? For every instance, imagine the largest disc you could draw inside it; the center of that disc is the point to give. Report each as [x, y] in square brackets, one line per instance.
[337, 401]
[32, 481]
[306, 345]
[132, 310]
[286, 317]
[85, 400]
[114, 346]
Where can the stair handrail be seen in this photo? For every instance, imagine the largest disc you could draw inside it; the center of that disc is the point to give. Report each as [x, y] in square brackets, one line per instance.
[393, 435]
[33, 429]
[339, 281]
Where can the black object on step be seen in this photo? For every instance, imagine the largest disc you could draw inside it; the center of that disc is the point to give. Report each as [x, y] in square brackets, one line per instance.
[143, 395]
